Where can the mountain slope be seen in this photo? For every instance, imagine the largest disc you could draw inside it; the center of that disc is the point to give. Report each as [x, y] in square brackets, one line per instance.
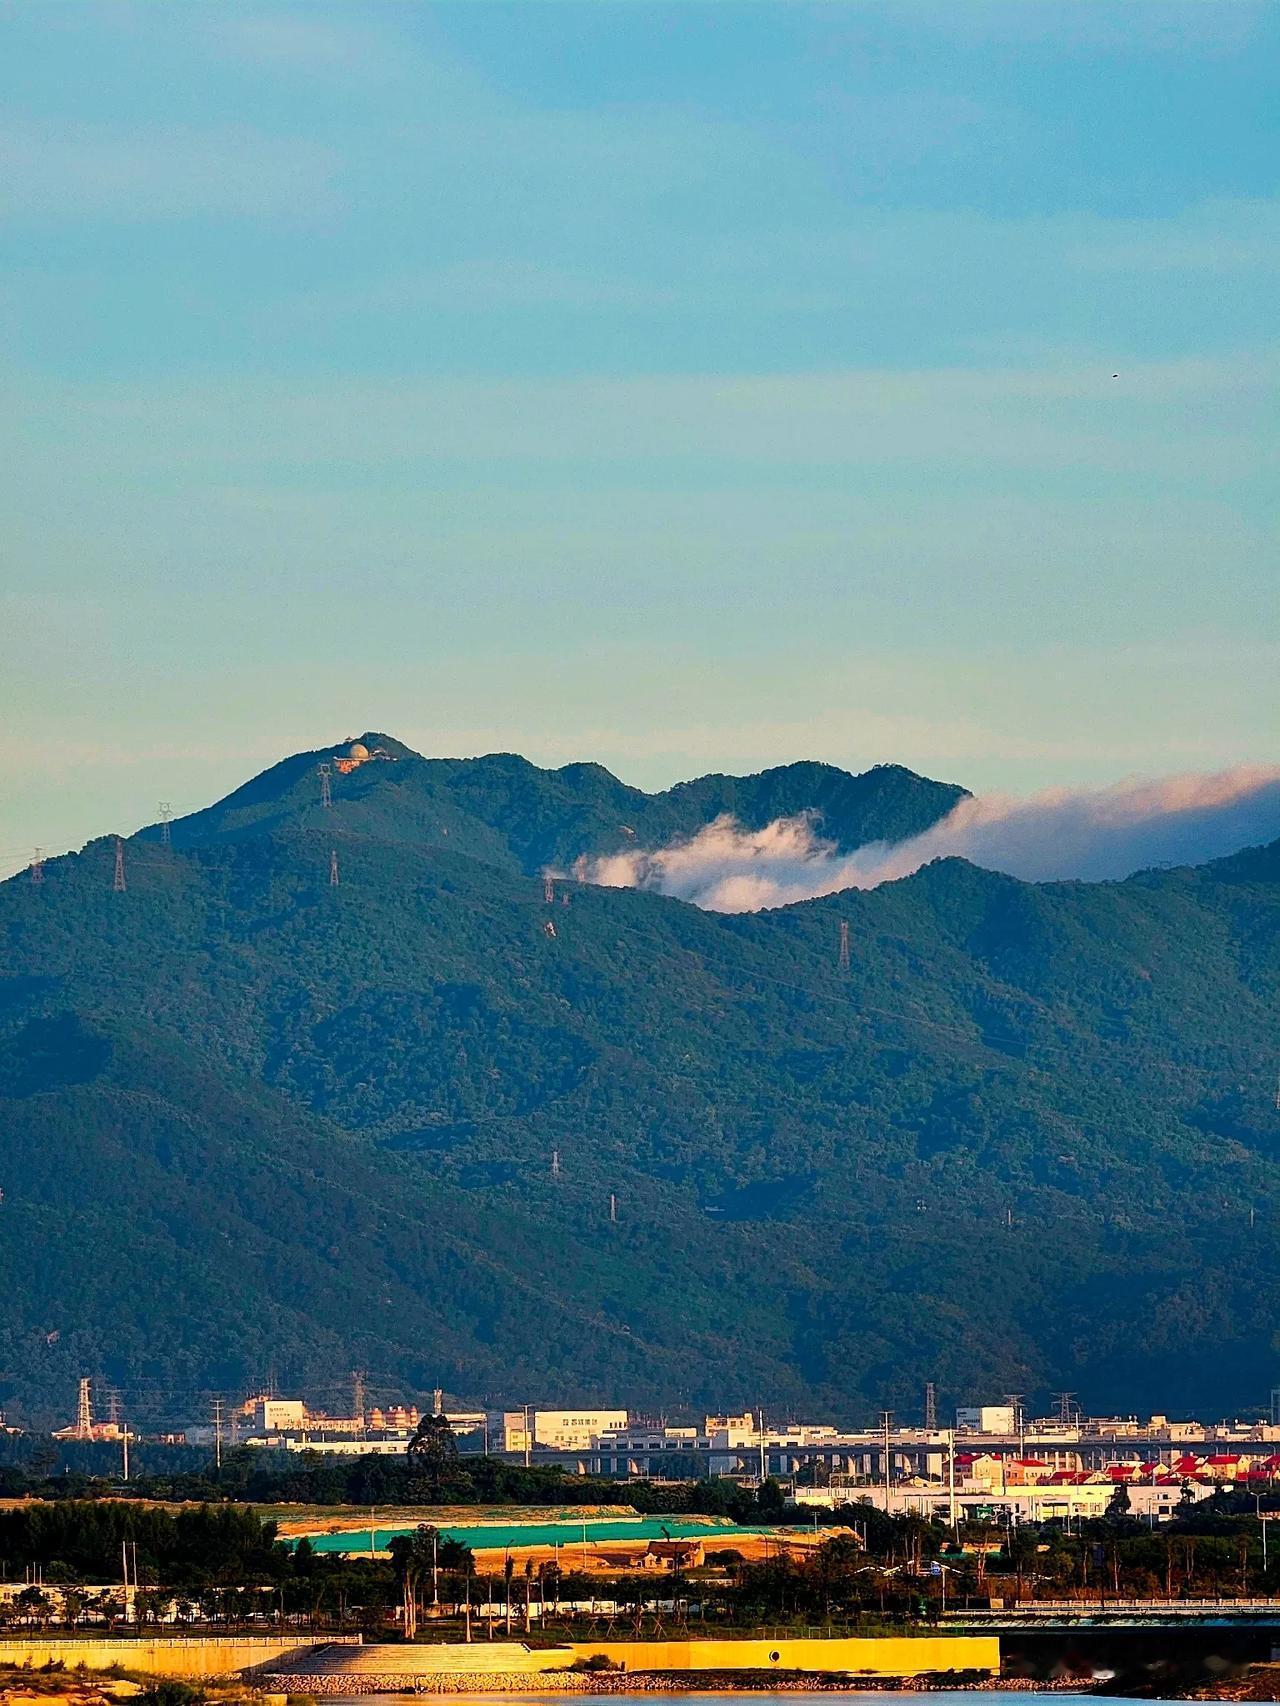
[248, 1120]
[509, 813]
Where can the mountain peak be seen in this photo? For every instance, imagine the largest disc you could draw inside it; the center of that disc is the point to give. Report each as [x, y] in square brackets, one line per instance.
[506, 811]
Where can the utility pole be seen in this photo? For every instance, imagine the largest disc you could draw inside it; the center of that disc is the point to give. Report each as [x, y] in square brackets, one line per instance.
[333, 868]
[555, 1163]
[764, 1462]
[117, 880]
[217, 1433]
[951, 1479]
[613, 1207]
[357, 1399]
[1014, 1401]
[528, 1438]
[886, 1423]
[166, 832]
[844, 944]
[326, 791]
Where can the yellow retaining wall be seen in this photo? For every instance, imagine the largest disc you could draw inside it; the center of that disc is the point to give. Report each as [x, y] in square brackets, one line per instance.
[893, 1655]
[192, 1655]
[877, 1655]
[198, 1656]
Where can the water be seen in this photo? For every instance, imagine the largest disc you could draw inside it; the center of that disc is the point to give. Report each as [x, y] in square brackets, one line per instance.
[566, 1534]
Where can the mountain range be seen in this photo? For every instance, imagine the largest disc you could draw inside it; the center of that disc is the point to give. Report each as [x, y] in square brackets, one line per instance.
[257, 1123]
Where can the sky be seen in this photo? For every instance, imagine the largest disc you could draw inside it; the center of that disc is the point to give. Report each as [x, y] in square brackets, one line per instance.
[683, 387]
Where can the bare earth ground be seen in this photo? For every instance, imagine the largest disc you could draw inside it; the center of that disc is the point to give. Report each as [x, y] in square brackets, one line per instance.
[342, 1519]
[606, 1557]
[599, 1556]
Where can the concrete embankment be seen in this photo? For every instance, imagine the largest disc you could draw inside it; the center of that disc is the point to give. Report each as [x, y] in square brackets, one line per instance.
[348, 1667]
[508, 1666]
[160, 1655]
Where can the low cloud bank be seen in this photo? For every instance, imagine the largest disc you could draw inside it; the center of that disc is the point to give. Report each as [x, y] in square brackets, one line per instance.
[1091, 834]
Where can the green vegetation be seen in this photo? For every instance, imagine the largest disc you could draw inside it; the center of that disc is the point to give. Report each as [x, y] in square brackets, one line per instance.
[225, 1568]
[77, 1541]
[248, 1120]
[249, 1476]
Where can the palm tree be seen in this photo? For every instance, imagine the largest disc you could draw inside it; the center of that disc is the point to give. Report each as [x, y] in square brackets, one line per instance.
[416, 1558]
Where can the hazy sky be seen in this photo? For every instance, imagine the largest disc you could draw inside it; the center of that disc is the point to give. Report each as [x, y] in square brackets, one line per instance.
[683, 387]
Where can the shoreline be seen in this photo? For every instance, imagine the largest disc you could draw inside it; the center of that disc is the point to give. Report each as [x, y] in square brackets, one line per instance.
[350, 1686]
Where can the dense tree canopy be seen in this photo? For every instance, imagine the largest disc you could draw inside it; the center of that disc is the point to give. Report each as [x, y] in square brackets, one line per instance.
[248, 1120]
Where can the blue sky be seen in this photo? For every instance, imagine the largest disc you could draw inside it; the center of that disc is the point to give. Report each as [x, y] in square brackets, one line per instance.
[684, 387]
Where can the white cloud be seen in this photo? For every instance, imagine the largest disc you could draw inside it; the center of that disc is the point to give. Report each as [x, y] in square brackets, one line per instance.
[1092, 834]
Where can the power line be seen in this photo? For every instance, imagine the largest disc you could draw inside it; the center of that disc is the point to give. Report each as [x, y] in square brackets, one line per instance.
[984, 1039]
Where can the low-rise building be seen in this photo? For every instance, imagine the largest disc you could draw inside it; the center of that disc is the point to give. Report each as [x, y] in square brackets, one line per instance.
[557, 1430]
[986, 1419]
[278, 1415]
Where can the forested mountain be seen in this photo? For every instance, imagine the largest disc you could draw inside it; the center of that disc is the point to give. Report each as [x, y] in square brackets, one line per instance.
[248, 1120]
[506, 811]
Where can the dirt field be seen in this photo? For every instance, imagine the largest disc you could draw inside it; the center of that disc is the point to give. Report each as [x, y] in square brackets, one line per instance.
[346, 1519]
[608, 1557]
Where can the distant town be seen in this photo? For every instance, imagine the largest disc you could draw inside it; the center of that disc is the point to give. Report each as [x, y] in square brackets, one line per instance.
[991, 1462]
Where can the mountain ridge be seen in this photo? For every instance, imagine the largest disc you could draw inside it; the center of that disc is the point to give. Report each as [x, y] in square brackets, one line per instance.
[504, 809]
[317, 1122]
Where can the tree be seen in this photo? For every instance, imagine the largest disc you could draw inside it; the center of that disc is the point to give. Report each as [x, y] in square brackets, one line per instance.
[34, 1605]
[1120, 1504]
[416, 1557]
[771, 1501]
[433, 1459]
